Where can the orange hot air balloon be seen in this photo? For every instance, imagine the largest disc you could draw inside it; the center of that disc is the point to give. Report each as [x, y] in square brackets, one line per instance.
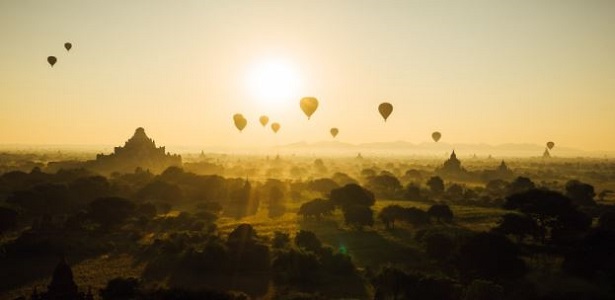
[275, 127]
[334, 131]
[385, 110]
[240, 121]
[52, 60]
[264, 120]
[68, 46]
[550, 145]
[308, 106]
[436, 136]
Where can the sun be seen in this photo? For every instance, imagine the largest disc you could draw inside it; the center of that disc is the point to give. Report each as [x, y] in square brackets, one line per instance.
[273, 82]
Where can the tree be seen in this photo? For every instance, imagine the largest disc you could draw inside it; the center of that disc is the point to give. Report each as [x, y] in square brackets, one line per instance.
[280, 240]
[490, 256]
[416, 216]
[120, 288]
[454, 192]
[358, 216]
[8, 219]
[551, 210]
[580, 193]
[323, 185]
[519, 225]
[413, 192]
[520, 184]
[161, 192]
[110, 211]
[390, 214]
[436, 185]
[316, 208]
[308, 240]
[352, 195]
[607, 221]
[385, 186]
[441, 212]
[244, 233]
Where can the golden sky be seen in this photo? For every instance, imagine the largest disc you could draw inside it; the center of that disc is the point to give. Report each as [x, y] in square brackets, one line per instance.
[478, 71]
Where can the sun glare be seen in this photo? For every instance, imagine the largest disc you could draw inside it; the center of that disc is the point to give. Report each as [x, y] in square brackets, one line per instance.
[273, 82]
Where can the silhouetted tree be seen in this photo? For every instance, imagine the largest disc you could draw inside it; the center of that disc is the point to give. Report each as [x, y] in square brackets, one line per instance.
[276, 202]
[120, 288]
[580, 193]
[280, 240]
[307, 240]
[393, 283]
[441, 212]
[593, 258]
[390, 214]
[413, 192]
[436, 185]
[323, 185]
[519, 185]
[497, 187]
[490, 256]
[296, 267]
[160, 192]
[454, 192]
[385, 186]
[416, 216]
[352, 195]
[316, 208]
[607, 220]
[358, 216]
[519, 225]
[110, 211]
[8, 219]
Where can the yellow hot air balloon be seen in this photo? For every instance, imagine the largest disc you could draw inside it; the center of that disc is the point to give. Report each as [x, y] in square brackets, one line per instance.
[52, 60]
[240, 121]
[436, 136]
[334, 131]
[308, 106]
[550, 145]
[385, 110]
[68, 46]
[264, 120]
[275, 127]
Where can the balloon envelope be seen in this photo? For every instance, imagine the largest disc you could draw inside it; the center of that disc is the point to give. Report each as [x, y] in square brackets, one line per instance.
[264, 120]
[550, 145]
[68, 46]
[275, 127]
[240, 121]
[308, 106]
[52, 60]
[436, 136]
[334, 131]
[385, 110]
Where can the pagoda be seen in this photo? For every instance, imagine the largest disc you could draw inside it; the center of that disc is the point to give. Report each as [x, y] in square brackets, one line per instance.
[139, 151]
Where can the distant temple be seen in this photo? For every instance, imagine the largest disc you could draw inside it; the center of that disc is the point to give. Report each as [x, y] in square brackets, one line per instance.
[546, 154]
[502, 172]
[451, 167]
[138, 152]
[62, 286]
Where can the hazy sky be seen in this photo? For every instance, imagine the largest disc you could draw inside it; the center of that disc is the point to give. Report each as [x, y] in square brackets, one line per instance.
[478, 71]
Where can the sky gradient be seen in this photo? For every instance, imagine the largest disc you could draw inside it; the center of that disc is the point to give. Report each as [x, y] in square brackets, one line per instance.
[478, 71]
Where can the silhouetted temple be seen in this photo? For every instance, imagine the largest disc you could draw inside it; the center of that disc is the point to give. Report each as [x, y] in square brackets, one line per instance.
[451, 166]
[138, 152]
[546, 154]
[62, 286]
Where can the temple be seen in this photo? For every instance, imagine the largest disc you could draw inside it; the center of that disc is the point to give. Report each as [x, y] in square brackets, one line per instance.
[62, 286]
[451, 167]
[139, 151]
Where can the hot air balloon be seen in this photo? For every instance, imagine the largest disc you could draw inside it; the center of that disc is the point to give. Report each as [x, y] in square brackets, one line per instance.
[264, 120]
[52, 60]
[436, 136]
[275, 127]
[334, 131]
[240, 121]
[550, 145]
[308, 105]
[385, 110]
[68, 46]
